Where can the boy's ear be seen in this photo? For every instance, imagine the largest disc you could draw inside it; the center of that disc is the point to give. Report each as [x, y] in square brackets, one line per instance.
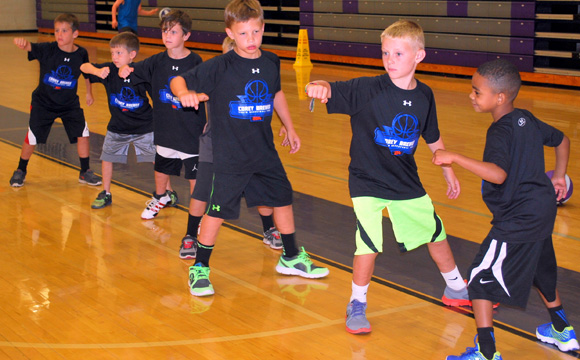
[230, 33]
[420, 55]
[501, 98]
[75, 34]
[132, 54]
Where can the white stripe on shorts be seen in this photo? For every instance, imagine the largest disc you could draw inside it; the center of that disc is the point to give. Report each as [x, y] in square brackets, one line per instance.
[486, 263]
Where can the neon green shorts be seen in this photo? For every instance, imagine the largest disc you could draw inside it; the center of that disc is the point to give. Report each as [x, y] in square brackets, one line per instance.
[414, 223]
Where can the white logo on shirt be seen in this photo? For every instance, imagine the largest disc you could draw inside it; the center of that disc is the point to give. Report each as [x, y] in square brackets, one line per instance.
[522, 122]
[127, 80]
[255, 71]
[176, 68]
[67, 59]
[406, 103]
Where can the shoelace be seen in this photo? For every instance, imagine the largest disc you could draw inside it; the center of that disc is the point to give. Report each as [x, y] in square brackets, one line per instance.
[358, 309]
[200, 272]
[152, 203]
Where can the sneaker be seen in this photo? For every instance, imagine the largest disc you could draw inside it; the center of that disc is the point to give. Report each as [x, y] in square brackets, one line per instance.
[456, 297]
[90, 178]
[154, 205]
[188, 248]
[273, 238]
[199, 284]
[174, 199]
[474, 354]
[102, 200]
[300, 265]
[17, 179]
[356, 318]
[565, 340]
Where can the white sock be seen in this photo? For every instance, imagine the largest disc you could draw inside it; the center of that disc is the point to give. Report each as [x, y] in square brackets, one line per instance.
[359, 292]
[453, 279]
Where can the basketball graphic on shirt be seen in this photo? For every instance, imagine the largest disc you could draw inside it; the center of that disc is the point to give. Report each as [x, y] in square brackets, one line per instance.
[405, 126]
[256, 91]
[63, 72]
[401, 137]
[127, 94]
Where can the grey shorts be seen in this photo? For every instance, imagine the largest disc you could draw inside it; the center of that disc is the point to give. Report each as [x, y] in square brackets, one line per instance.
[116, 147]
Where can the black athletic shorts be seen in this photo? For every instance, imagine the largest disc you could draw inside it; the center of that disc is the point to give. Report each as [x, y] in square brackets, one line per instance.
[505, 272]
[172, 166]
[41, 121]
[202, 190]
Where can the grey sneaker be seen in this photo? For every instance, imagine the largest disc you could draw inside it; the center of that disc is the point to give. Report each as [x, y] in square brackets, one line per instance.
[273, 238]
[154, 206]
[356, 318]
[174, 199]
[456, 297]
[17, 179]
[188, 248]
[90, 178]
[102, 200]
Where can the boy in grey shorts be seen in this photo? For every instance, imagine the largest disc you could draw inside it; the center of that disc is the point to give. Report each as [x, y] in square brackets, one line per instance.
[131, 115]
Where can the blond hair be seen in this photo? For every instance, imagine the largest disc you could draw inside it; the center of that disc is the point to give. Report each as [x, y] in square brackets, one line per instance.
[228, 44]
[406, 29]
[242, 11]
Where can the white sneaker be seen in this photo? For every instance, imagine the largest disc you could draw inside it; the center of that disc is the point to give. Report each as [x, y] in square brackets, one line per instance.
[154, 205]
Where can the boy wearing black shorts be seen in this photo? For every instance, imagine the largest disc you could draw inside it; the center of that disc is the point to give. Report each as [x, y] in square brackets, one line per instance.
[131, 115]
[518, 252]
[243, 86]
[177, 129]
[56, 96]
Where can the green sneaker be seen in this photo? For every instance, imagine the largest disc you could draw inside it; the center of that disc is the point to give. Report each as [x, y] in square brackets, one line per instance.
[174, 199]
[102, 200]
[199, 284]
[300, 265]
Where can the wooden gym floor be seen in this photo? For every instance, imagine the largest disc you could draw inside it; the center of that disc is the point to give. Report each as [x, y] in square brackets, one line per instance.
[103, 284]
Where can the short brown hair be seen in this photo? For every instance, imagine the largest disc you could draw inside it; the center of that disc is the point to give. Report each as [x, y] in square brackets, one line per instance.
[242, 11]
[406, 29]
[502, 76]
[70, 19]
[126, 39]
[176, 17]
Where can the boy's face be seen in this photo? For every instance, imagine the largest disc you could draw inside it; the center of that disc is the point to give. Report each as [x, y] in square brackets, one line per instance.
[248, 37]
[173, 37]
[121, 56]
[64, 34]
[400, 57]
[483, 97]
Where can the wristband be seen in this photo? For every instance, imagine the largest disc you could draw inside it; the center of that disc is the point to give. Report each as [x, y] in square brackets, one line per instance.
[306, 87]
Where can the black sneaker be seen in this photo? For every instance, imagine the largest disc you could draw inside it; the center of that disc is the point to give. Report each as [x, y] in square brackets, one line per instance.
[188, 248]
[17, 179]
[102, 200]
[90, 178]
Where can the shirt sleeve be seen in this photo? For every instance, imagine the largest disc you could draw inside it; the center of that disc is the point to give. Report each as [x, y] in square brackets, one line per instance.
[497, 146]
[348, 97]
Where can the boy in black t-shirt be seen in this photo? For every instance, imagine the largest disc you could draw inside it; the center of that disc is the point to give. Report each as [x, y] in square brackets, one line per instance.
[131, 115]
[388, 115]
[518, 250]
[177, 129]
[243, 86]
[56, 96]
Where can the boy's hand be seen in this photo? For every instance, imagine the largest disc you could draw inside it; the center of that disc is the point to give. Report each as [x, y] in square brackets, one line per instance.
[90, 99]
[22, 43]
[192, 99]
[560, 187]
[125, 71]
[114, 24]
[284, 133]
[317, 91]
[293, 140]
[442, 158]
[453, 187]
[103, 72]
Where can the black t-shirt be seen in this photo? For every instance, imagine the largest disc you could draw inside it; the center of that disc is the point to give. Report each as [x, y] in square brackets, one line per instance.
[175, 127]
[128, 102]
[386, 124]
[59, 74]
[241, 96]
[524, 206]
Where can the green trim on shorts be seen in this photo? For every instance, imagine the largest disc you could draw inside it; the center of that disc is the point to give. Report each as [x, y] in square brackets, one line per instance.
[414, 222]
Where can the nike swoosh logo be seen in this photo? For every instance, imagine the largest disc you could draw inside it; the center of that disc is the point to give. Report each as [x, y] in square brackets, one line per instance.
[455, 278]
[481, 281]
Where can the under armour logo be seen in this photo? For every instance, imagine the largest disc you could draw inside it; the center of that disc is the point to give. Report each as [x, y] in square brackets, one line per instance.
[254, 71]
[127, 80]
[175, 68]
[67, 59]
[406, 103]
[521, 122]
[215, 207]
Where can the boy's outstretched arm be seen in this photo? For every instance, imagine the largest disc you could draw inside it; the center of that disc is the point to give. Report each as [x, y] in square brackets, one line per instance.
[89, 68]
[140, 11]
[453, 187]
[188, 98]
[281, 107]
[125, 71]
[89, 96]
[485, 170]
[23, 44]
[559, 177]
[319, 89]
